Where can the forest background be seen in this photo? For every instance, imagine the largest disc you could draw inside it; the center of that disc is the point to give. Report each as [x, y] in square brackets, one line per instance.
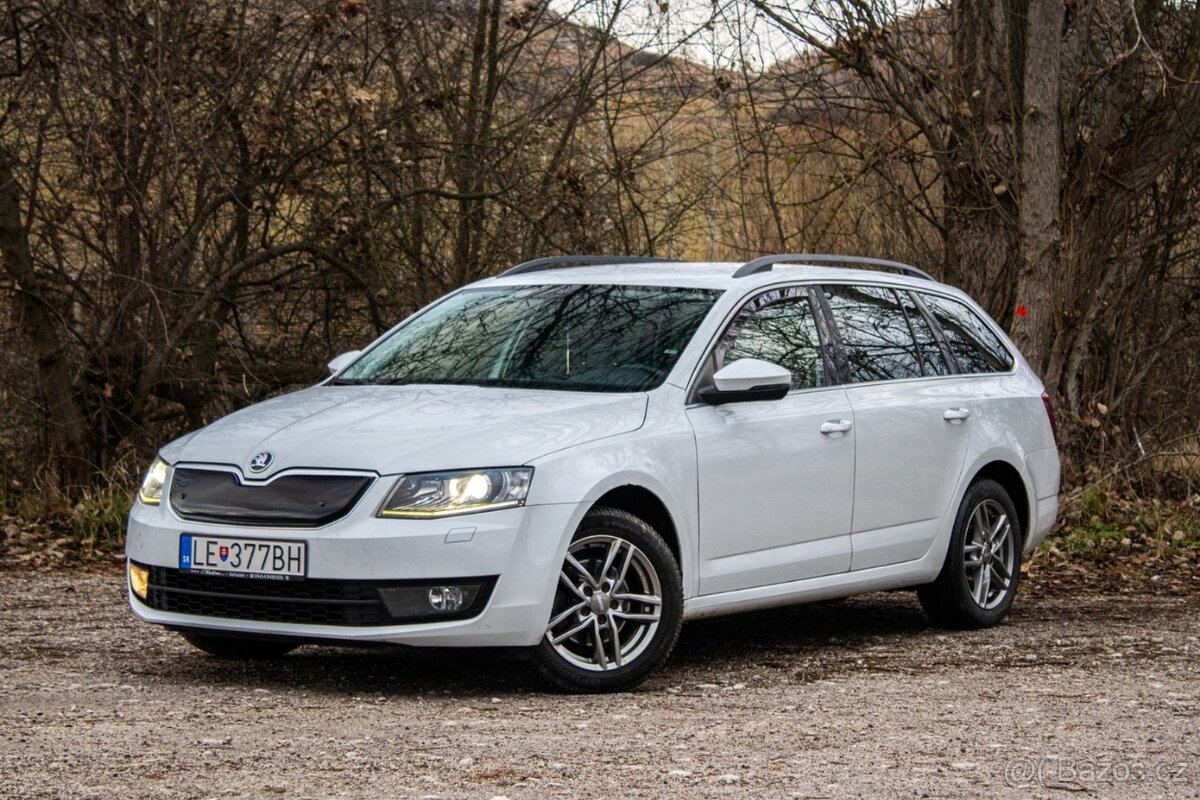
[203, 201]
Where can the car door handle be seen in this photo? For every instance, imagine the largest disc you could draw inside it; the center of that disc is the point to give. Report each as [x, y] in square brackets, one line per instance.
[956, 414]
[836, 426]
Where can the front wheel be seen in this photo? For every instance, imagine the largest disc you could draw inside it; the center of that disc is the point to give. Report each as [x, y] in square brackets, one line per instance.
[618, 607]
[979, 578]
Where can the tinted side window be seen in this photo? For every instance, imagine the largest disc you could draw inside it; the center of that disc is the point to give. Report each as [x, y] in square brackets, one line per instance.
[778, 327]
[875, 333]
[933, 362]
[974, 345]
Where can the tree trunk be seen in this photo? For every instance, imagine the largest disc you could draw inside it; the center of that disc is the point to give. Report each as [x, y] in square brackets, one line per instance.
[1040, 202]
[981, 247]
[68, 439]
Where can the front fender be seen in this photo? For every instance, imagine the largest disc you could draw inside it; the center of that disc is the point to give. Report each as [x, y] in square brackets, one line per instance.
[660, 458]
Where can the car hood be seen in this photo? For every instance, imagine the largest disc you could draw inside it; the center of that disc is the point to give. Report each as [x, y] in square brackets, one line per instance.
[393, 429]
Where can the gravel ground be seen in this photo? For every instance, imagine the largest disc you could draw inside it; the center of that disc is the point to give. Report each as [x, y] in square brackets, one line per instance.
[1078, 692]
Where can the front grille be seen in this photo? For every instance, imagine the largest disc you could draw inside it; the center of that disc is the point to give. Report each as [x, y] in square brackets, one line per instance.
[297, 501]
[312, 601]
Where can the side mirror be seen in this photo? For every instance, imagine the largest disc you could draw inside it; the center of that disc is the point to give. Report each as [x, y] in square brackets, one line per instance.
[341, 362]
[748, 379]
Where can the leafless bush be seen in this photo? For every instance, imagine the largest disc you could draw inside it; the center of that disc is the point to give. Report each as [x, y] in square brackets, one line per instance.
[201, 202]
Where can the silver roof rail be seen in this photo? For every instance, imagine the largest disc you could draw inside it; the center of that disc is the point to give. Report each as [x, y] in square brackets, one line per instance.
[765, 264]
[539, 264]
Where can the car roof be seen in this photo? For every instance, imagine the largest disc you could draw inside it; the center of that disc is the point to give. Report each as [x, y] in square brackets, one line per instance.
[705, 275]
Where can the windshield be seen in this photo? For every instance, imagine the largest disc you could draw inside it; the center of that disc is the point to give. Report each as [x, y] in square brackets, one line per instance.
[595, 338]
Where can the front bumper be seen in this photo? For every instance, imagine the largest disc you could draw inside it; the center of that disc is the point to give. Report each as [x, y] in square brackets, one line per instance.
[522, 547]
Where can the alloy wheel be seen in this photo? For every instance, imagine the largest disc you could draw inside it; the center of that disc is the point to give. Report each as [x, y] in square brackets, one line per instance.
[608, 604]
[989, 554]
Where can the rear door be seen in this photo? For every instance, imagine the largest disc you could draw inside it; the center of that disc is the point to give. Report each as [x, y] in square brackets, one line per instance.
[912, 419]
[776, 477]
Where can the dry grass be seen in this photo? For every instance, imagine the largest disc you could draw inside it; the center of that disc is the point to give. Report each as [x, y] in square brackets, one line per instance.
[96, 521]
[1148, 508]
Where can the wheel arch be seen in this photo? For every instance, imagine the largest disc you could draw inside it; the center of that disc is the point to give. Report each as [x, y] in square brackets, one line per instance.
[1009, 477]
[649, 507]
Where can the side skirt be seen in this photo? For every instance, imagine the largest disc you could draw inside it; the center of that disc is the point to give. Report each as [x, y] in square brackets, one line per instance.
[826, 587]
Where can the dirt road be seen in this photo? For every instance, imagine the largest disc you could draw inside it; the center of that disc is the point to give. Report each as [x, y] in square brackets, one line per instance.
[1095, 693]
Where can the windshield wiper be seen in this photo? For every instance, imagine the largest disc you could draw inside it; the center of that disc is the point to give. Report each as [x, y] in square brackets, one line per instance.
[420, 382]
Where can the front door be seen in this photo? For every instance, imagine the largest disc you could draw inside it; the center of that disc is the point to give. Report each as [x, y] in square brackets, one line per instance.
[776, 477]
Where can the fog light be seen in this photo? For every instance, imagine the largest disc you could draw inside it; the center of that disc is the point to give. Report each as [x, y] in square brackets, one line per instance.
[446, 598]
[139, 579]
[433, 601]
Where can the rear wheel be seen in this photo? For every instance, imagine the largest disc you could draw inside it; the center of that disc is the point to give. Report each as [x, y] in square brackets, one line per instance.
[238, 648]
[979, 578]
[618, 607]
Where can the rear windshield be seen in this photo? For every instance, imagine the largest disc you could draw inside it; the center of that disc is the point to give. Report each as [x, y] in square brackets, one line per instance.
[595, 338]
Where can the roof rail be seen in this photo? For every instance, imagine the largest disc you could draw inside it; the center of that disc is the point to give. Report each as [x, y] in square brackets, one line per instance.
[539, 264]
[765, 263]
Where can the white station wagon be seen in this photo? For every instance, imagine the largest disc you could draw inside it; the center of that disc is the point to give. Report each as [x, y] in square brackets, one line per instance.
[575, 461]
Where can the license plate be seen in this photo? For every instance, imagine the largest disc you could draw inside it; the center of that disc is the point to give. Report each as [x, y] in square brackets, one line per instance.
[250, 558]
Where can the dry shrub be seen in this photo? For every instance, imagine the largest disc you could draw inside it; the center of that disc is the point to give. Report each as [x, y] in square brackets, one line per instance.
[1126, 491]
[43, 518]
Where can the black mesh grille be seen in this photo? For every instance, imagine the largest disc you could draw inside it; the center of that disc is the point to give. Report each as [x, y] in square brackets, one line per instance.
[313, 601]
[290, 501]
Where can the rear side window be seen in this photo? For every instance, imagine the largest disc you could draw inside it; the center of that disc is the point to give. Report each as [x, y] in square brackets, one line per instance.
[972, 342]
[778, 327]
[875, 333]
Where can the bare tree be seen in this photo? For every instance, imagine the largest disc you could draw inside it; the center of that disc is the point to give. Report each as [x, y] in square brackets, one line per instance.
[200, 202]
[1047, 125]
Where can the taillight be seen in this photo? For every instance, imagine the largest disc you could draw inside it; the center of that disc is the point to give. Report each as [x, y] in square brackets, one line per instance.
[1049, 404]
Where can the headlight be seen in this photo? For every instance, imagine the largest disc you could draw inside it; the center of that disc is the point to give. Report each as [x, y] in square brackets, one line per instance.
[152, 484]
[442, 494]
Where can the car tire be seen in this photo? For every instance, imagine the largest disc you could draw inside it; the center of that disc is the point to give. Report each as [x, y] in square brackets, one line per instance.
[982, 570]
[618, 606]
[237, 648]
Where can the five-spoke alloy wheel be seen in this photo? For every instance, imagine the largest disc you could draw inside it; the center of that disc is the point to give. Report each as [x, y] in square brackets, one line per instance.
[979, 578]
[618, 607]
